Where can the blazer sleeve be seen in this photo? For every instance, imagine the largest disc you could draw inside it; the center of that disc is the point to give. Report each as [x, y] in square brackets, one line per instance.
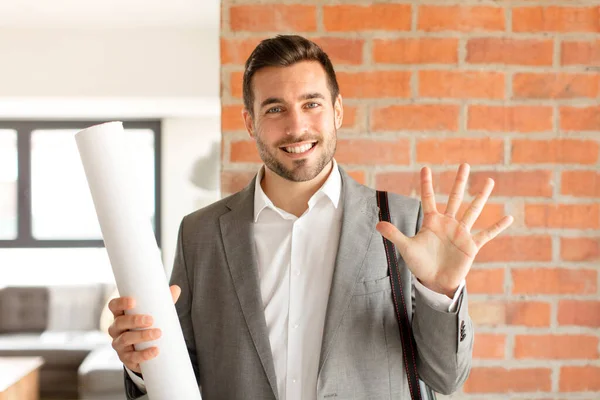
[444, 340]
[131, 389]
[181, 277]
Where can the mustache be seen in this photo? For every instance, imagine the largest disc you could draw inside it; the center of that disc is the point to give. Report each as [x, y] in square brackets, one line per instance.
[308, 138]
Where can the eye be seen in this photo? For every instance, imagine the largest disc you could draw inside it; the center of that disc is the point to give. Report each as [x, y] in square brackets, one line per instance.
[312, 105]
[273, 110]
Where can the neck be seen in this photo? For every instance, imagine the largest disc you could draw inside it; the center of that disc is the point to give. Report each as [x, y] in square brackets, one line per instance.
[292, 196]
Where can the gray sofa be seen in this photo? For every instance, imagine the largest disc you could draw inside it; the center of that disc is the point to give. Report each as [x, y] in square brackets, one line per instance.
[62, 325]
[101, 376]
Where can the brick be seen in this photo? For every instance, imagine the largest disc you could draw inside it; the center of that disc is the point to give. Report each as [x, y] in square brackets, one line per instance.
[580, 118]
[342, 50]
[580, 183]
[460, 18]
[516, 248]
[406, 183]
[237, 51]
[358, 176]
[234, 181]
[495, 313]
[273, 17]
[580, 53]
[556, 19]
[416, 51]
[555, 85]
[374, 84]
[503, 380]
[554, 281]
[373, 152]
[487, 313]
[461, 85]
[522, 119]
[563, 216]
[556, 151]
[350, 117]
[556, 347]
[486, 281]
[528, 313]
[231, 118]
[489, 346]
[579, 313]
[350, 18]
[244, 151]
[339, 50]
[513, 183]
[579, 379]
[236, 84]
[580, 249]
[455, 151]
[409, 183]
[416, 117]
[510, 51]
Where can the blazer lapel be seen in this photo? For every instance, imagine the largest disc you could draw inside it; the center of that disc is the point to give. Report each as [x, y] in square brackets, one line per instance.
[360, 215]
[237, 235]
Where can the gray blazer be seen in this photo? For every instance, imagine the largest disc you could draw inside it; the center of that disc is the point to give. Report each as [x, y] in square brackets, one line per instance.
[221, 312]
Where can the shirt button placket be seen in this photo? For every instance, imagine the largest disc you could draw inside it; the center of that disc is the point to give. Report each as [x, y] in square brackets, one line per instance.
[293, 363]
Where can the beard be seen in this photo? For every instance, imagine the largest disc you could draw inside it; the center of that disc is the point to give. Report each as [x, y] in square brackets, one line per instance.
[302, 170]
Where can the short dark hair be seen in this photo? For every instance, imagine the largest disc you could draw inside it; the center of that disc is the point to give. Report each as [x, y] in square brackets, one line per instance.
[284, 51]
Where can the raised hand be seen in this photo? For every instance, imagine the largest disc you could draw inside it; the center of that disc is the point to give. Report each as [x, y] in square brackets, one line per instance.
[442, 252]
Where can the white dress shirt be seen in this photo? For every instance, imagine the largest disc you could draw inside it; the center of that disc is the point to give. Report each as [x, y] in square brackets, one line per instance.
[296, 258]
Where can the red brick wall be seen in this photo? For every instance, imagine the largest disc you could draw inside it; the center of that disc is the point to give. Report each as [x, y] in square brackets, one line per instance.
[513, 88]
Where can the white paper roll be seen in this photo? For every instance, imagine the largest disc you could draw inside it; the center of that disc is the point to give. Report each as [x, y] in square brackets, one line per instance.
[135, 257]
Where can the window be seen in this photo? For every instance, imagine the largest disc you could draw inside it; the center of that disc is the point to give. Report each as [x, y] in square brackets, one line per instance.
[8, 184]
[45, 200]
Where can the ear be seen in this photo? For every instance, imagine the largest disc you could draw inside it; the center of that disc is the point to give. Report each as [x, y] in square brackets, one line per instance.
[338, 109]
[248, 122]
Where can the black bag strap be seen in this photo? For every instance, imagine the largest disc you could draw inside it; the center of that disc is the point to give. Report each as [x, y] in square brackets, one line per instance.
[409, 346]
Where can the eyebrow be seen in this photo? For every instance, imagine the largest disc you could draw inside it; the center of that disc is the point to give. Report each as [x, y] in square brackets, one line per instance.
[307, 96]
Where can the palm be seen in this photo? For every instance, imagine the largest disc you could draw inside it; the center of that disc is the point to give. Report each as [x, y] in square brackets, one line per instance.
[438, 244]
[442, 252]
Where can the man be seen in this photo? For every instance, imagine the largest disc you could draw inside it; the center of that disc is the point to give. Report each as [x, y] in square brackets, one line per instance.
[284, 286]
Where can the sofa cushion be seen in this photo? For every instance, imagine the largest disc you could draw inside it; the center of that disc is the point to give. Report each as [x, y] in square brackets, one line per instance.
[57, 348]
[52, 308]
[101, 372]
[23, 309]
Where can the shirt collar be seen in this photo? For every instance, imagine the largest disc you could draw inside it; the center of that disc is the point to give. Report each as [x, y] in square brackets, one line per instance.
[332, 188]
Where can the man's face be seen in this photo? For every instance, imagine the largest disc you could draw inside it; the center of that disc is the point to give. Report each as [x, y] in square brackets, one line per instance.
[295, 123]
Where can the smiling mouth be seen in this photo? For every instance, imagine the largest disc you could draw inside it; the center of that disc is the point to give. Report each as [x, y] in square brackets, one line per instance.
[295, 149]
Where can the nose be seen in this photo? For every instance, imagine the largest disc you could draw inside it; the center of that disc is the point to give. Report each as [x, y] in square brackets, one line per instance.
[296, 123]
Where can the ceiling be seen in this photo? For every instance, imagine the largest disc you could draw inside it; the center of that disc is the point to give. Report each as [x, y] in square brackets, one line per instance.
[102, 14]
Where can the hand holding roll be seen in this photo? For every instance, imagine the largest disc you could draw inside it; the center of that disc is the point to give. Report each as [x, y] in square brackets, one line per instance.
[128, 330]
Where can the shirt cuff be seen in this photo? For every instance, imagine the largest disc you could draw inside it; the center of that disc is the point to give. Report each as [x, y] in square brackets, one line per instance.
[139, 382]
[439, 301]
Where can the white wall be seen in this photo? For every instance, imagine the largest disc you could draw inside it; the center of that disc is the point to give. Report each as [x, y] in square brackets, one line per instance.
[113, 63]
[171, 74]
[185, 165]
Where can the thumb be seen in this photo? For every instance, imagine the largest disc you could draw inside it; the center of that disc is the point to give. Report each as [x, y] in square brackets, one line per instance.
[391, 233]
[175, 293]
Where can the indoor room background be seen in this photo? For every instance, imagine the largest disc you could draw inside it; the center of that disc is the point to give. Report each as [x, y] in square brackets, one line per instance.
[510, 86]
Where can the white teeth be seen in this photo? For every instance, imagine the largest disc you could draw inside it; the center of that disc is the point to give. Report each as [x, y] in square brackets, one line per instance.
[299, 149]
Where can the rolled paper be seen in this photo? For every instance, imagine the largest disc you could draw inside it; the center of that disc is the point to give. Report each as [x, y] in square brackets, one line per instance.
[135, 257]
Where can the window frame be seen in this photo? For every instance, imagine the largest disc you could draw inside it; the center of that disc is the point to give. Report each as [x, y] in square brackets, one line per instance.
[24, 130]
